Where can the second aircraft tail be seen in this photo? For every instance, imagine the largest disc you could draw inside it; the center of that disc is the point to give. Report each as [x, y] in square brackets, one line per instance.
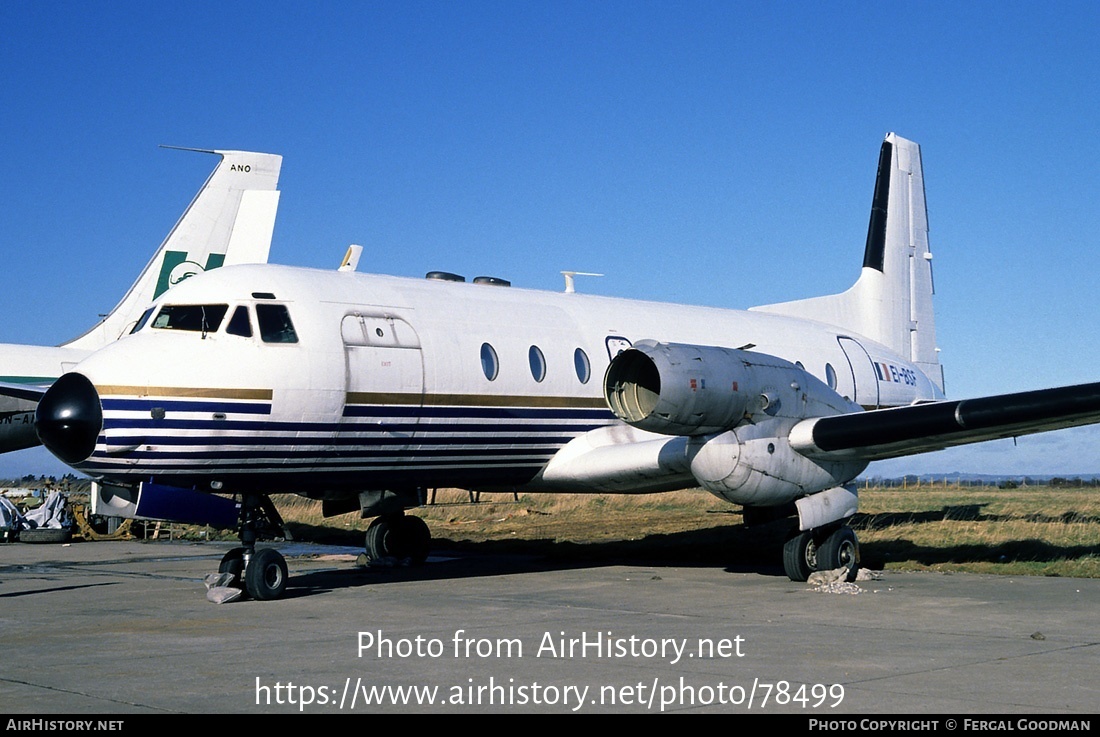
[230, 220]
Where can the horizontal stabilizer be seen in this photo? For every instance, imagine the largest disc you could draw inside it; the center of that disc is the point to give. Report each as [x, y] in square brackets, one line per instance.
[902, 431]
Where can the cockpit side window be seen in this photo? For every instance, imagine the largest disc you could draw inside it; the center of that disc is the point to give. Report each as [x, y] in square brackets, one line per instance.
[275, 324]
[196, 318]
[142, 320]
[239, 324]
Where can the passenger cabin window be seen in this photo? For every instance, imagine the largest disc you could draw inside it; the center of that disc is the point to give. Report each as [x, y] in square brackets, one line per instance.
[489, 364]
[275, 324]
[581, 364]
[195, 318]
[538, 363]
[239, 324]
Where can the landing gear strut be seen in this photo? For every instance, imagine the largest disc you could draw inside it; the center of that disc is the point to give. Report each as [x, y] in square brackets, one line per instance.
[262, 573]
[822, 549]
[398, 536]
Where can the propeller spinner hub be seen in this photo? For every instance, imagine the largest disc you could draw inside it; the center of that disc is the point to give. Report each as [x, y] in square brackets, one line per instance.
[69, 418]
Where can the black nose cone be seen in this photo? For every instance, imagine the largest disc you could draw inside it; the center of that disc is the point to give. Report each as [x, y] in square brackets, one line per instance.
[69, 418]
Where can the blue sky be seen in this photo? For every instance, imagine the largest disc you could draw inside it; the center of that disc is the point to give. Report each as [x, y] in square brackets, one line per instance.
[720, 153]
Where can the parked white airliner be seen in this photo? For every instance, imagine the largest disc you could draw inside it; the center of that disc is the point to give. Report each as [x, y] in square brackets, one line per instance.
[229, 221]
[365, 390]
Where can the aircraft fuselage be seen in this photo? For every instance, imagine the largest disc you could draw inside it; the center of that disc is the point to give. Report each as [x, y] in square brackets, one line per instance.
[390, 382]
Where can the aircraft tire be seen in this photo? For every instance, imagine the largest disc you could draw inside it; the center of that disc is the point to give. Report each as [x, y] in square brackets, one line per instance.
[46, 535]
[800, 555]
[233, 562]
[376, 541]
[266, 575]
[398, 536]
[414, 540]
[840, 550]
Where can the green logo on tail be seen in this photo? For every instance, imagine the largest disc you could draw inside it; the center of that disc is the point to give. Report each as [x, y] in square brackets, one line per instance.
[176, 268]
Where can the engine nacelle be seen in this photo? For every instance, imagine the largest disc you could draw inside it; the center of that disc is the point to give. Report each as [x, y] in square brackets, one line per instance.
[755, 465]
[680, 389]
[738, 407]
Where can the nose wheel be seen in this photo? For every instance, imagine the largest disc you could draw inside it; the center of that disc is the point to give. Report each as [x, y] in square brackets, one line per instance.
[261, 573]
[265, 575]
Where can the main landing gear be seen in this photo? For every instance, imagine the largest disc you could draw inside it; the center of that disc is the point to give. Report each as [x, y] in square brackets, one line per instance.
[822, 549]
[262, 573]
[398, 536]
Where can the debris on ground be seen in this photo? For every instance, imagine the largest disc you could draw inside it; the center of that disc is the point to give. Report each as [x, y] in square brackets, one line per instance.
[219, 588]
[836, 581]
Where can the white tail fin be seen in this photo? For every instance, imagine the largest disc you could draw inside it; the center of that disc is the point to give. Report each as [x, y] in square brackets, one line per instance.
[891, 302]
[230, 221]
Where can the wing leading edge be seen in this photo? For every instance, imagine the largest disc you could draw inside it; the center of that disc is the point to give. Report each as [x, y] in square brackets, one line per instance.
[902, 431]
[17, 403]
[10, 392]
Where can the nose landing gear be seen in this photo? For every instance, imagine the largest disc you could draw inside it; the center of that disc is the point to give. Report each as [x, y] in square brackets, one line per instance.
[262, 573]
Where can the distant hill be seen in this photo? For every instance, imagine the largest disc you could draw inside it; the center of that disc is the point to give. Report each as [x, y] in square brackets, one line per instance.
[985, 479]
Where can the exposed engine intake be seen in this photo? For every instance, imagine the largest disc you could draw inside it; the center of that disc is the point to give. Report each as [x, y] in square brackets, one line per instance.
[680, 389]
[738, 407]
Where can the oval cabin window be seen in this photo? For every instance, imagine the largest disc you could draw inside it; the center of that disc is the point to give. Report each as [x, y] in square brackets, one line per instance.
[538, 363]
[581, 364]
[489, 361]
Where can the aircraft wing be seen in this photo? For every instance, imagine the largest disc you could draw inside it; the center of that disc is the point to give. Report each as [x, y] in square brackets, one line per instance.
[17, 405]
[17, 394]
[901, 431]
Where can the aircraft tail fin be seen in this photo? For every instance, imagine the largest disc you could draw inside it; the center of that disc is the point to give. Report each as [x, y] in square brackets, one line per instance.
[230, 221]
[891, 302]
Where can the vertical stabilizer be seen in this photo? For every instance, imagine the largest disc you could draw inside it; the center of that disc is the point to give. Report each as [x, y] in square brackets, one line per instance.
[230, 221]
[891, 302]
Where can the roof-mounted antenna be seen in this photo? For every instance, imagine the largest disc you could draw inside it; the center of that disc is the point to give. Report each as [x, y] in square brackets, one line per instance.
[351, 258]
[569, 285]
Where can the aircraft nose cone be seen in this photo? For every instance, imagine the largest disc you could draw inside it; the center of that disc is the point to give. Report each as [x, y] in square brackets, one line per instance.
[69, 418]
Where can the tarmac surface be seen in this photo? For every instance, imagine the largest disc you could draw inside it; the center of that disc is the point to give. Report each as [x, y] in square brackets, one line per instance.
[115, 628]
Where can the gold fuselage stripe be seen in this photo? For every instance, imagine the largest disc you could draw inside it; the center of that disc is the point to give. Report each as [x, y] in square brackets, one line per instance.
[393, 398]
[199, 392]
[473, 400]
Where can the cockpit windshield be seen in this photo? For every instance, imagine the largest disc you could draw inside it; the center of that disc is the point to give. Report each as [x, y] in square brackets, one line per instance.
[196, 318]
[274, 321]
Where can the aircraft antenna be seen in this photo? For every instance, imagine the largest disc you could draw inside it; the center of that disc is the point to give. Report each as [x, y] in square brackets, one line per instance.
[570, 287]
[351, 258]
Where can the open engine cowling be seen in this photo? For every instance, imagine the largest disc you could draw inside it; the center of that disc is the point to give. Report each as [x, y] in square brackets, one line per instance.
[680, 389]
[738, 407]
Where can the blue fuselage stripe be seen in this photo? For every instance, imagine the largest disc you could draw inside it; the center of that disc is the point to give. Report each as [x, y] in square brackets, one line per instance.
[146, 405]
[222, 426]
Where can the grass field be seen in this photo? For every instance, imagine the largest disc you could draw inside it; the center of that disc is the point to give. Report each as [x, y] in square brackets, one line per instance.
[1033, 530]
